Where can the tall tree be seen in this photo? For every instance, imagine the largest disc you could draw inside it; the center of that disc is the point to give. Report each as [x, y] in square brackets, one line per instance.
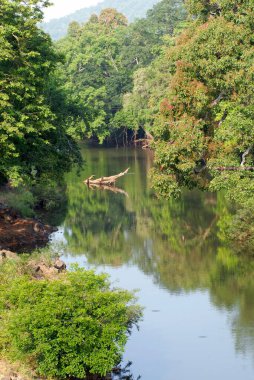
[93, 71]
[206, 109]
[32, 139]
[145, 36]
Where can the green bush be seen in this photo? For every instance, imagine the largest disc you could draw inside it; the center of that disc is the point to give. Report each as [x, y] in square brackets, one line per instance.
[66, 327]
[20, 199]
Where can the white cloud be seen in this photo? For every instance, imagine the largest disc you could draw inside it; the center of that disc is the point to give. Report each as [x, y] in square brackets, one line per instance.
[64, 7]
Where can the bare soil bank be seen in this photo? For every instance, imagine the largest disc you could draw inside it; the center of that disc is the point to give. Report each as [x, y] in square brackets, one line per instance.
[21, 234]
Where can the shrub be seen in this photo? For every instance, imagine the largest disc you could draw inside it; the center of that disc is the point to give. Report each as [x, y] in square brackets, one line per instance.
[67, 327]
[20, 199]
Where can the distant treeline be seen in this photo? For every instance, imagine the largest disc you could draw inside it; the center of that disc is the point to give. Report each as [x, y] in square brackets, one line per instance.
[132, 9]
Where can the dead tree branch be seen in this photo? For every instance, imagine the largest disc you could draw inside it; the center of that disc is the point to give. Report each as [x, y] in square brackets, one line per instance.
[105, 181]
[218, 99]
[245, 154]
[114, 189]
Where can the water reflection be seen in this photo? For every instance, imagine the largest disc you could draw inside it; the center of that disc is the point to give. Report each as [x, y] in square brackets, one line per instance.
[180, 244]
[141, 229]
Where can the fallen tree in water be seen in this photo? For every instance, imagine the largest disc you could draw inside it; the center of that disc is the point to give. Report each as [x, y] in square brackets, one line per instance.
[104, 181]
[113, 189]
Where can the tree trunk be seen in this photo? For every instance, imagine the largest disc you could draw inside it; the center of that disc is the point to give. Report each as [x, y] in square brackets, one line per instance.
[109, 181]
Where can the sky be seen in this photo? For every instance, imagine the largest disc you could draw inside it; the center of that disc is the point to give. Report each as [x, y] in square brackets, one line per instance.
[65, 7]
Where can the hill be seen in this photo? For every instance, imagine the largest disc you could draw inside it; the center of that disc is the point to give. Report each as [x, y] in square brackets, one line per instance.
[132, 9]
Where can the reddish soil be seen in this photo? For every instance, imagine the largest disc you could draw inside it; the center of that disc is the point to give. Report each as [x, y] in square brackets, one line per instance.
[19, 234]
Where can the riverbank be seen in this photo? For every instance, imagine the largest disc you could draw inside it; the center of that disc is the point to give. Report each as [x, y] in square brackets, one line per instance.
[42, 304]
[19, 234]
[39, 267]
[15, 372]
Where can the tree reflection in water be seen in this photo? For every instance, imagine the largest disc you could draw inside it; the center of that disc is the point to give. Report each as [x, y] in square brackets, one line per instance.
[181, 243]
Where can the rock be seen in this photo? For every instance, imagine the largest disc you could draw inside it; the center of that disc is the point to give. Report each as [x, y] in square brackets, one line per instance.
[9, 371]
[38, 227]
[41, 269]
[4, 254]
[13, 376]
[10, 376]
[48, 271]
[59, 265]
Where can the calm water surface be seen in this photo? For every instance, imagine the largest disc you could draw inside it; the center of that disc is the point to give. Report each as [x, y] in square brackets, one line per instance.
[198, 298]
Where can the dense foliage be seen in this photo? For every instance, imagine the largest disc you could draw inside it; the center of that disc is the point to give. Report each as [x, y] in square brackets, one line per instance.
[206, 116]
[69, 326]
[101, 57]
[34, 136]
[93, 71]
[189, 84]
[196, 98]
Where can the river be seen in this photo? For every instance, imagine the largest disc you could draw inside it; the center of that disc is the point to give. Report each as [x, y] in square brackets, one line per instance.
[198, 297]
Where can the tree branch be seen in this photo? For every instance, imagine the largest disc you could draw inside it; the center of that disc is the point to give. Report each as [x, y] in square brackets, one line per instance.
[245, 154]
[217, 100]
[109, 181]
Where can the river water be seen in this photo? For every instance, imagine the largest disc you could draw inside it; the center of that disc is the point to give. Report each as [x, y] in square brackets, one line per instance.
[198, 297]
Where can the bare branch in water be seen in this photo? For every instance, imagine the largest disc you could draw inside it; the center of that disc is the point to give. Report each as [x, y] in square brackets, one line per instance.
[109, 181]
[114, 189]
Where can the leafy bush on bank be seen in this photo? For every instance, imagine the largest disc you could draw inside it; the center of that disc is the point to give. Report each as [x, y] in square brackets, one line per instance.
[65, 327]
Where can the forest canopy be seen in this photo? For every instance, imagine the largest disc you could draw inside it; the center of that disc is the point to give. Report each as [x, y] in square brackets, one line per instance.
[35, 135]
[101, 58]
[182, 75]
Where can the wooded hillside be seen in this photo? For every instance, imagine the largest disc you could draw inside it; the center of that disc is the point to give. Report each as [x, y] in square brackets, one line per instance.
[132, 9]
